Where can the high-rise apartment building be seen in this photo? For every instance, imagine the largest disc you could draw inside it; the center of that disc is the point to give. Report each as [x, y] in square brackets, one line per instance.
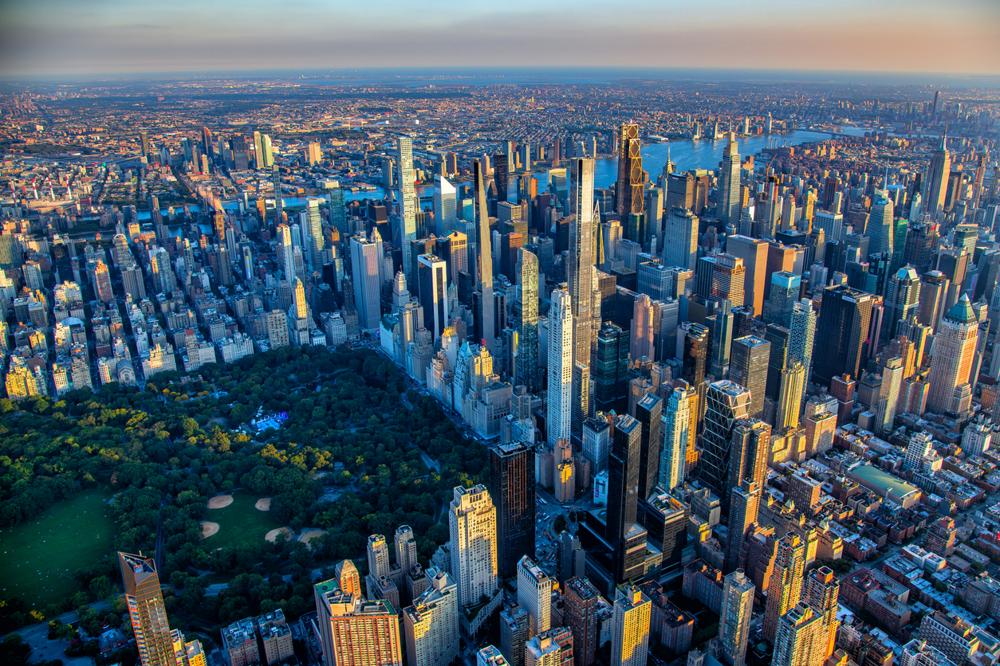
[821, 592]
[486, 321]
[356, 632]
[431, 624]
[630, 627]
[472, 523]
[631, 183]
[512, 487]
[144, 602]
[798, 636]
[534, 595]
[408, 204]
[432, 281]
[676, 434]
[581, 602]
[734, 620]
[784, 589]
[580, 271]
[553, 647]
[560, 367]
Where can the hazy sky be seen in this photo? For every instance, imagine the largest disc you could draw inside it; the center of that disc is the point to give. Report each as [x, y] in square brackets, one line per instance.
[106, 36]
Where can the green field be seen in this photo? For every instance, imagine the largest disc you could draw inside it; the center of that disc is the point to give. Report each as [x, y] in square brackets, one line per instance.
[239, 523]
[39, 559]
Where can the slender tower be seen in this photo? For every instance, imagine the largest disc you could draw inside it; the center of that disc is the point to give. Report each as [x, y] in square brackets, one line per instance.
[729, 182]
[408, 204]
[581, 265]
[484, 259]
[560, 361]
[146, 610]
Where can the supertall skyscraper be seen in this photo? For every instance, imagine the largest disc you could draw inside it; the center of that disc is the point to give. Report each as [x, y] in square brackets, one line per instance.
[526, 366]
[484, 260]
[729, 182]
[623, 489]
[472, 522]
[802, 339]
[580, 272]
[631, 183]
[512, 487]
[144, 601]
[953, 353]
[366, 278]
[937, 178]
[432, 282]
[844, 319]
[734, 620]
[559, 393]
[408, 204]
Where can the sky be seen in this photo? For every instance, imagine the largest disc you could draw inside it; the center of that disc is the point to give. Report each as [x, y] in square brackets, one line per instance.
[81, 37]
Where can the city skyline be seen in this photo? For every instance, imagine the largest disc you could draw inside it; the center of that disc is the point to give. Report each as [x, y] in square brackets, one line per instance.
[56, 37]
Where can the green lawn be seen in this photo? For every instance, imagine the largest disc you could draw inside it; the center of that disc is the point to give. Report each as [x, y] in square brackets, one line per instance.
[39, 559]
[239, 523]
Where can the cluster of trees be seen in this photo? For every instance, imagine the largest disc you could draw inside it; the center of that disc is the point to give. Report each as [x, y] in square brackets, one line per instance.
[348, 459]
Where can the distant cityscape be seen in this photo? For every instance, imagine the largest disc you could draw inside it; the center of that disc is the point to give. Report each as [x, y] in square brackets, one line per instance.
[741, 407]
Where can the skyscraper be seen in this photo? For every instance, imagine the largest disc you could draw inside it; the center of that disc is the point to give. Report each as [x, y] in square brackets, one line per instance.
[560, 367]
[880, 225]
[680, 246]
[408, 204]
[728, 279]
[580, 272]
[844, 318]
[727, 403]
[472, 523]
[753, 252]
[623, 488]
[484, 260]
[748, 367]
[901, 300]
[534, 595]
[734, 620]
[641, 338]
[144, 601]
[354, 631]
[937, 177]
[801, 339]
[365, 276]
[744, 507]
[953, 353]
[512, 487]
[785, 289]
[581, 601]
[676, 426]
[631, 183]
[785, 586]
[821, 593]
[431, 625]
[729, 182]
[432, 281]
[445, 207]
[649, 412]
[630, 627]
[550, 648]
[526, 364]
[797, 638]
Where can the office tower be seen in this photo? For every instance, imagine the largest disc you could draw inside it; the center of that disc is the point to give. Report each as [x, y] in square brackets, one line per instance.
[610, 367]
[408, 203]
[144, 601]
[445, 207]
[512, 487]
[726, 402]
[728, 279]
[785, 289]
[797, 637]
[560, 366]
[821, 592]
[791, 388]
[937, 178]
[753, 252]
[842, 331]
[694, 356]
[526, 364]
[880, 225]
[748, 367]
[581, 603]
[365, 274]
[472, 523]
[432, 280]
[641, 338]
[348, 579]
[901, 300]
[734, 620]
[676, 426]
[405, 547]
[954, 350]
[623, 487]
[354, 631]
[720, 323]
[630, 627]
[729, 182]
[550, 648]
[491, 656]
[534, 595]
[484, 260]
[431, 625]
[785, 585]
[379, 565]
[649, 413]
[680, 246]
[744, 508]
[580, 272]
[629, 189]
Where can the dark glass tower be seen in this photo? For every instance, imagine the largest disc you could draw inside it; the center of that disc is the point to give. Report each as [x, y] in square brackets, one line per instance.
[844, 319]
[512, 487]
